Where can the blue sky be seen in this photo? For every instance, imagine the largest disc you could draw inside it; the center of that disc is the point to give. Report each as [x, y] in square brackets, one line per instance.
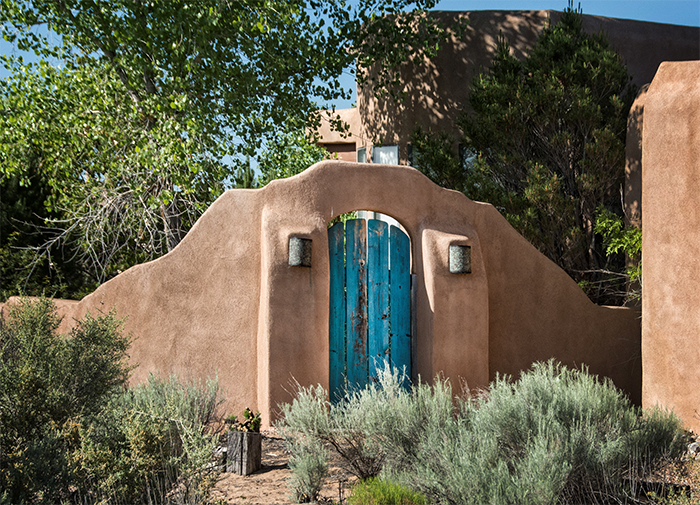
[675, 12]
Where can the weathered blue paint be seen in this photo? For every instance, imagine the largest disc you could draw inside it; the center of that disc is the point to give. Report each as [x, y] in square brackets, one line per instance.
[370, 303]
[400, 281]
[378, 295]
[356, 302]
[336, 313]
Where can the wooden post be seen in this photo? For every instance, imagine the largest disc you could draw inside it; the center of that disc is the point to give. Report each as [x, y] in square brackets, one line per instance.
[244, 452]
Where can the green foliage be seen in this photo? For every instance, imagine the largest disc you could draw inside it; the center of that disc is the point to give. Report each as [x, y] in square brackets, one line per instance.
[251, 423]
[46, 383]
[548, 139]
[117, 193]
[153, 444]
[618, 238]
[155, 105]
[556, 435]
[287, 155]
[382, 492]
[625, 241]
[72, 433]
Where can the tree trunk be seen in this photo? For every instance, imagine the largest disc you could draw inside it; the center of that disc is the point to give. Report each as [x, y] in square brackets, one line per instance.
[172, 224]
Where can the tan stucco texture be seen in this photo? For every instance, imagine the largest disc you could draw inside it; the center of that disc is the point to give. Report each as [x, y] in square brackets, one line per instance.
[226, 301]
[671, 241]
[437, 92]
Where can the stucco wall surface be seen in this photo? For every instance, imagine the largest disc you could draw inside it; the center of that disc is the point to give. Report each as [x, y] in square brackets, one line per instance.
[633, 160]
[226, 301]
[671, 241]
[438, 91]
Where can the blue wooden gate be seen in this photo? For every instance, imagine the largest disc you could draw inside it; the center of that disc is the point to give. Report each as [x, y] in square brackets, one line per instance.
[370, 302]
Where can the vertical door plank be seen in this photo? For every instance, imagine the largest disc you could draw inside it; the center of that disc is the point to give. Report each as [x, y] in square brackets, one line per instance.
[378, 295]
[400, 279]
[356, 304]
[336, 313]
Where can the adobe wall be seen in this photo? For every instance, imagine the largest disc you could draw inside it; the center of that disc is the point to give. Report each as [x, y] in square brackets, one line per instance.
[671, 241]
[633, 161]
[437, 92]
[226, 301]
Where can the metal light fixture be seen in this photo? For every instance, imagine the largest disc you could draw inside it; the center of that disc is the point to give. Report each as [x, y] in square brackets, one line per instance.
[299, 252]
[460, 259]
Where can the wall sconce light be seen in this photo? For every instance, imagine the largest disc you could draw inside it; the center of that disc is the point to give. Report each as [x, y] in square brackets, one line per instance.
[460, 259]
[299, 252]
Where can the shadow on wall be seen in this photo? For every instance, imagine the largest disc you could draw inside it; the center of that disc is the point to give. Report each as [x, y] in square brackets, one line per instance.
[437, 92]
[633, 161]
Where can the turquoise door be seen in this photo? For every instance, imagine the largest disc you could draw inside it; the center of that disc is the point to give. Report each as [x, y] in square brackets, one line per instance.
[370, 302]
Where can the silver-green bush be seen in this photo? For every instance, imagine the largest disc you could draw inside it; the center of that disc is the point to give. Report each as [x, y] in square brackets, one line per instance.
[343, 427]
[153, 444]
[308, 462]
[556, 435]
[72, 433]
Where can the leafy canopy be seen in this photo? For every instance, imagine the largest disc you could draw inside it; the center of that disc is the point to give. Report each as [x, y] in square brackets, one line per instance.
[154, 105]
[545, 143]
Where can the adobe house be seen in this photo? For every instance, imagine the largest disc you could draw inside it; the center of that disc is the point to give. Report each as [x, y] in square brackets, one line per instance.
[438, 91]
[247, 293]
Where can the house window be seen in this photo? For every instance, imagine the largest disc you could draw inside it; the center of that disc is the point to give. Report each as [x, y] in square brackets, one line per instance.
[386, 155]
[362, 155]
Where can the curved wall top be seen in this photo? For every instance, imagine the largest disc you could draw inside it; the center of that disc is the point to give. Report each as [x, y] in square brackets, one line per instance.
[226, 301]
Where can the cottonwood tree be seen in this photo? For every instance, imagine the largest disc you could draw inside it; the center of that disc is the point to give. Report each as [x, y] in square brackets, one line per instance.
[545, 143]
[140, 126]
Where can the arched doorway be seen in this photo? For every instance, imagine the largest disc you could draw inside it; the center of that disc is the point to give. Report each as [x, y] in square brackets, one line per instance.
[370, 302]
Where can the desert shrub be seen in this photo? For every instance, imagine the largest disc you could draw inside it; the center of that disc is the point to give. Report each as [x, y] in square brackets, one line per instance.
[71, 431]
[370, 429]
[383, 492]
[47, 383]
[308, 462]
[397, 418]
[153, 444]
[342, 427]
[555, 435]
[304, 428]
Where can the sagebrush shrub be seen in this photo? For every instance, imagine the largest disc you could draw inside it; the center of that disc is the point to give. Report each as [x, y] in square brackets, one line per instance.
[47, 383]
[556, 435]
[342, 427]
[308, 462]
[71, 431]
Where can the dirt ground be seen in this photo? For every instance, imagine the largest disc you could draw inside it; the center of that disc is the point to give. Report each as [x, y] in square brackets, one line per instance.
[268, 486]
